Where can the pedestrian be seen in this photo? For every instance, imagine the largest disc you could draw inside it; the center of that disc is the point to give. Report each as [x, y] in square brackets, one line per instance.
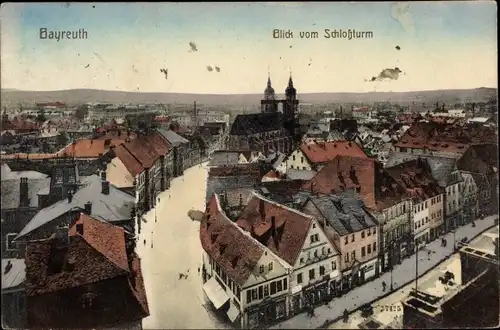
[346, 316]
[198, 270]
[383, 285]
[428, 255]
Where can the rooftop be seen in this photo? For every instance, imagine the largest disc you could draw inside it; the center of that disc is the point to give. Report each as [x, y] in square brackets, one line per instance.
[344, 213]
[256, 123]
[115, 206]
[281, 229]
[236, 252]
[323, 152]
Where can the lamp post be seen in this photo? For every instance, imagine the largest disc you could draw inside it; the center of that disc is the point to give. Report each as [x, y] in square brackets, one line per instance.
[392, 267]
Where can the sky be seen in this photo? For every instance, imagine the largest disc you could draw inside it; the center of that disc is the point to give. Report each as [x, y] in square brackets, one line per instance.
[436, 45]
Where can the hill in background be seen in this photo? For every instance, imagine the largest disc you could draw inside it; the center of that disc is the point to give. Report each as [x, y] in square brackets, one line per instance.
[13, 97]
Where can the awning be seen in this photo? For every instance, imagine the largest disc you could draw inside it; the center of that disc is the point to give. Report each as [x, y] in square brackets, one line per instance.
[296, 289]
[233, 312]
[215, 293]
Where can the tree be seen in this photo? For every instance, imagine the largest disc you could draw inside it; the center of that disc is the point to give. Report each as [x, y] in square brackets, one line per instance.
[81, 112]
[41, 118]
[62, 139]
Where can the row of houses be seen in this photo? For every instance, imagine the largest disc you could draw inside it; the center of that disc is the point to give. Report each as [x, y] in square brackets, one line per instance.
[368, 218]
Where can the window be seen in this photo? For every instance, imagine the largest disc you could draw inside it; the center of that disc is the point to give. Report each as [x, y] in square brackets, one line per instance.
[352, 238]
[321, 270]
[363, 234]
[314, 238]
[293, 157]
[285, 284]
[334, 265]
[302, 159]
[311, 274]
[261, 268]
[266, 290]
[261, 293]
[279, 286]
[353, 255]
[363, 251]
[369, 249]
[315, 253]
[270, 266]
[346, 240]
[301, 260]
[299, 278]
[374, 230]
[374, 246]
[416, 227]
[314, 225]
[273, 287]
[254, 294]
[346, 258]
[303, 168]
[10, 245]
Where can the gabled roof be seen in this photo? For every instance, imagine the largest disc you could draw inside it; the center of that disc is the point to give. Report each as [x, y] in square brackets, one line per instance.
[416, 177]
[345, 213]
[480, 158]
[116, 206]
[256, 123]
[107, 239]
[290, 230]
[232, 249]
[131, 163]
[173, 138]
[219, 184]
[366, 176]
[90, 266]
[323, 152]
[440, 167]
[88, 148]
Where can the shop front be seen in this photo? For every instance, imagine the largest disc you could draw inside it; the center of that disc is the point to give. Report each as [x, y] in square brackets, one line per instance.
[317, 293]
[267, 312]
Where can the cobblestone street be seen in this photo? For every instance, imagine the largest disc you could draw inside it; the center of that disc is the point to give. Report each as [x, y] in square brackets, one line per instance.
[173, 247]
[402, 273]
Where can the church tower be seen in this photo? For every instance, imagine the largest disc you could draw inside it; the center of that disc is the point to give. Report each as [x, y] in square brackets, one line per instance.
[268, 104]
[291, 111]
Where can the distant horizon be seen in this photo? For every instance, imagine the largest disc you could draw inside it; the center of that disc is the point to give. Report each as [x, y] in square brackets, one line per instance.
[227, 94]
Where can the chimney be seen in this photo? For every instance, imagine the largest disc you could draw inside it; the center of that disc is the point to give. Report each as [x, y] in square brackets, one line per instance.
[105, 187]
[262, 210]
[88, 208]
[79, 228]
[24, 200]
[103, 175]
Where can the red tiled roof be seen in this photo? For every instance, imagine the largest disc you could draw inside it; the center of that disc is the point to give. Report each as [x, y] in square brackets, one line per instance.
[480, 158]
[106, 238]
[233, 250]
[139, 289]
[445, 137]
[367, 176]
[88, 148]
[129, 161]
[142, 152]
[416, 177]
[290, 230]
[89, 266]
[272, 174]
[326, 151]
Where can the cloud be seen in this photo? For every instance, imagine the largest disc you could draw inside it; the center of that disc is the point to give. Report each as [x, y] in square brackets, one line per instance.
[401, 13]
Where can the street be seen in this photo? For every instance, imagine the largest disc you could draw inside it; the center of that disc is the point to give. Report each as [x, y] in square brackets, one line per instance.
[173, 247]
[389, 308]
[402, 273]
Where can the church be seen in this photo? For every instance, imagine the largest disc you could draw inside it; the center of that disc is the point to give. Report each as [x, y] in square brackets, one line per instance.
[275, 128]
